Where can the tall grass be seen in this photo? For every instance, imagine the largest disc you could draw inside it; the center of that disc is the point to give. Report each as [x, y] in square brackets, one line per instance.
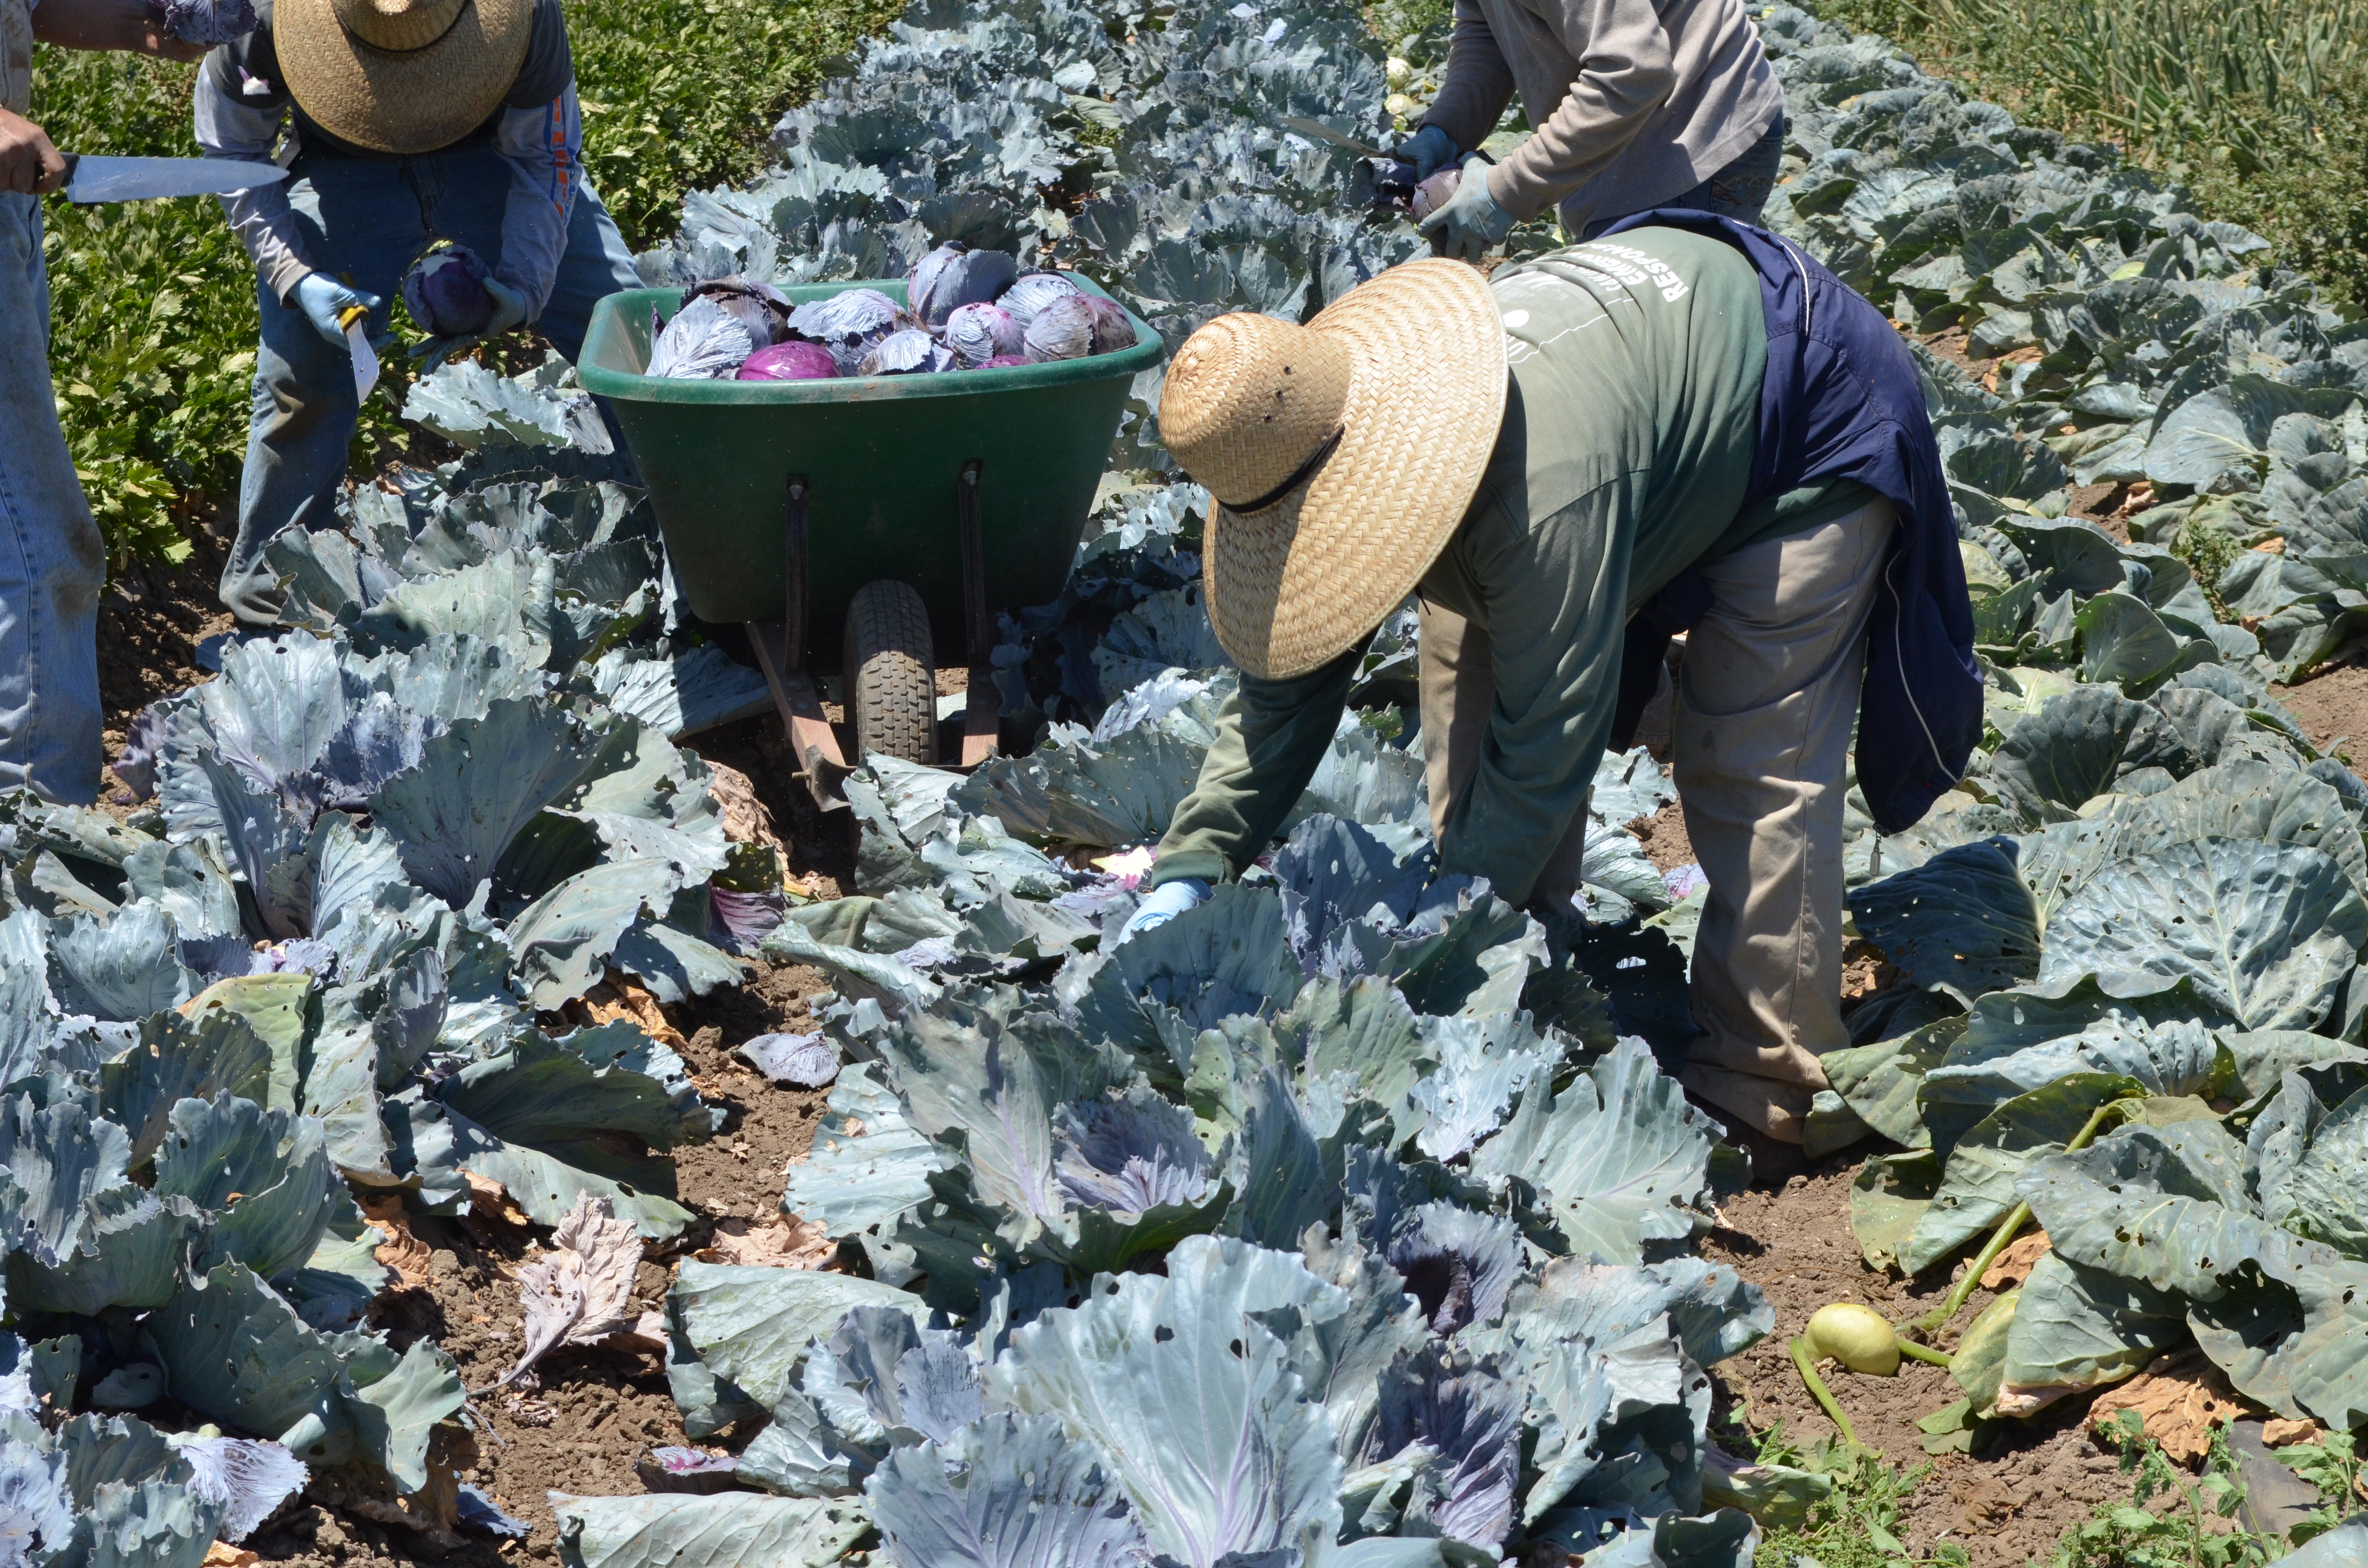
[2260, 107]
[153, 318]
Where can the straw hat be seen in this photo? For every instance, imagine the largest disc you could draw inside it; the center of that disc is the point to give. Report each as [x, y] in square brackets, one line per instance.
[1342, 455]
[401, 76]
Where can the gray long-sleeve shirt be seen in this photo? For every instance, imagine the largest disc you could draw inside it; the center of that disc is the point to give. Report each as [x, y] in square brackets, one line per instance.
[242, 104]
[1624, 458]
[1633, 101]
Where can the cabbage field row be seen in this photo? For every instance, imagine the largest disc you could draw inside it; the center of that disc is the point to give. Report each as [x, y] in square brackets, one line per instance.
[1346, 1220]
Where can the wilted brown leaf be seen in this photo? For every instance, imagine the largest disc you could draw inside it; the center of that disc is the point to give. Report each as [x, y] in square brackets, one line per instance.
[2277, 1431]
[621, 997]
[582, 1291]
[745, 820]
[489, 1199]
[2181, 1398]
[2013, 1266]
[221, 1554]
[401, 1251]
[790, 1243]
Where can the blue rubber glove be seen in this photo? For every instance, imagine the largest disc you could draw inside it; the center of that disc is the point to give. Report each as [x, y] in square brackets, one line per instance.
[509, 311]
[1164, 903]
[1471, 222]
[1429, 150]
[323, 300]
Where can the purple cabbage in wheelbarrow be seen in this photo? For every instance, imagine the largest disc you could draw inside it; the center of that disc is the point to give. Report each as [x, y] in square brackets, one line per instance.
[850, 324]
[445, 293]
[760, 306]
[1004, 362]
[1113, 330]
[1061, 330]
[1033, 292]
[979, 333]
[911, 352]
[796, 360]
[953, 276]
[704, 342]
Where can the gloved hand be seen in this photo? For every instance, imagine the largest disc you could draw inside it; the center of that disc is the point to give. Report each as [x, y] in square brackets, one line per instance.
[1471, 221]
[509, 311]
[1164, 903]
[323, 300]
[1429, 150]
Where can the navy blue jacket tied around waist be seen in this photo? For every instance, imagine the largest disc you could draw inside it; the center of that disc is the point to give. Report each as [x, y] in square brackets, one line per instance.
[1840, 399]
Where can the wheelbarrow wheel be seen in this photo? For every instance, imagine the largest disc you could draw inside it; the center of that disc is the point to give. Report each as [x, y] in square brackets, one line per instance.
[892, 682]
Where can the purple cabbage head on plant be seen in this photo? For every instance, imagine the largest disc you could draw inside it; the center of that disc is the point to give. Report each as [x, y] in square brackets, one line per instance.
[796, 360]
[445, 293]
[1033, 292]
[1061, 330]
[953, 276]
[978, 332]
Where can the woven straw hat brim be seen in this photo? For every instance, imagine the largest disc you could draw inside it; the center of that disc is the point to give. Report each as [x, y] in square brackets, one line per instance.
[1292, 586]
[404, 103]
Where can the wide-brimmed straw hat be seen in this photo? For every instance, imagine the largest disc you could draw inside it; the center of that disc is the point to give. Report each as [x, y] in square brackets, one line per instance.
[401, 76]
[1342, 455]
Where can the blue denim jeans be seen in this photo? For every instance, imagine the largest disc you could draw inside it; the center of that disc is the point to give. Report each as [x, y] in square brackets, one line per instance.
[53, 562]
[366, 220]
[1738, 191]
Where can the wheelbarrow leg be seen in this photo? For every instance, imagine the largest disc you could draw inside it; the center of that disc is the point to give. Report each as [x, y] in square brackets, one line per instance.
[981, 719]
[780, 648]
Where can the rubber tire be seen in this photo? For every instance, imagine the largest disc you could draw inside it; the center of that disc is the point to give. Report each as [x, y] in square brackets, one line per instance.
[891, 672]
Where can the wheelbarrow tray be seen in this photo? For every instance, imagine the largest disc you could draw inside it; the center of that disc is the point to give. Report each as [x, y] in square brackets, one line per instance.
[881, 457]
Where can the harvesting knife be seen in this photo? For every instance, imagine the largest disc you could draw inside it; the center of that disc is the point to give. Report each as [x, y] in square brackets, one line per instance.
[94, 179]
[1324, 132]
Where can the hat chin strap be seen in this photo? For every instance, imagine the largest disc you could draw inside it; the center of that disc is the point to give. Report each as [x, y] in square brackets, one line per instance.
[1299, 475]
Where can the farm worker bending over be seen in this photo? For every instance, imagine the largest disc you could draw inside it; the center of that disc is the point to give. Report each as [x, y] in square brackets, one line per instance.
[53, 562]
[1688, 416]
[415, 121]
[1637, 104]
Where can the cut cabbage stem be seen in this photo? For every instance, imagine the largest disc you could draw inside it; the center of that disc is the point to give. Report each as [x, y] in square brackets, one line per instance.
[1820, 1393]
[2016, 1217]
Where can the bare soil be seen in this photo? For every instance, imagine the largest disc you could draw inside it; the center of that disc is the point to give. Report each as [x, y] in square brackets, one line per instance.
[2332, 707]
[1664, 836]
[150, 619]
[2006, 1505]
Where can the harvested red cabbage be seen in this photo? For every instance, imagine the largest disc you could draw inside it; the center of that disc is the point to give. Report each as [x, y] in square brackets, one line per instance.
[1005, 361]
[1112, 329]
[1435, 192]
[704, 342]
[760, 306]
[1033, 292]
[1061, 330]
[952, 276]
[908, 353]
[796, 360]
[208, 22]
[849, 323]
[978, 332]
[445, 293]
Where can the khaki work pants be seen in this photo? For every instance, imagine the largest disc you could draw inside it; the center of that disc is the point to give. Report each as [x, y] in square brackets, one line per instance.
[1766, 699]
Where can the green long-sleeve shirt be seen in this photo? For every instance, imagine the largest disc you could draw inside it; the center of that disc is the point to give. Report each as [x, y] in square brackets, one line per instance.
[1623, 458]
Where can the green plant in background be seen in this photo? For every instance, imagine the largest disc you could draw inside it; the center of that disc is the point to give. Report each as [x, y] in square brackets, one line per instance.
[152, 311]
[681, 94]
[2186, 1529]
[2259, 106]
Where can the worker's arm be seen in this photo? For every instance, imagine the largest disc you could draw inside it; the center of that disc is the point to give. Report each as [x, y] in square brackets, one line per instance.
[1478, 83]
[1625, 73]
[544, 148]
[1556, 591]
[232, 123]
[1271, 736]
[106, 24]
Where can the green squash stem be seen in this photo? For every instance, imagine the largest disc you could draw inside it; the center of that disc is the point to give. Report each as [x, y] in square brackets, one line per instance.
[1821, 1394]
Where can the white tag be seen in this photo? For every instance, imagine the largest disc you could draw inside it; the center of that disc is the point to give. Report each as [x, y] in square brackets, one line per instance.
[365, 361]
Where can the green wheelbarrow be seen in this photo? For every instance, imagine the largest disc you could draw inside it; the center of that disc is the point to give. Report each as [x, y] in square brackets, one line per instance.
[900, 511]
